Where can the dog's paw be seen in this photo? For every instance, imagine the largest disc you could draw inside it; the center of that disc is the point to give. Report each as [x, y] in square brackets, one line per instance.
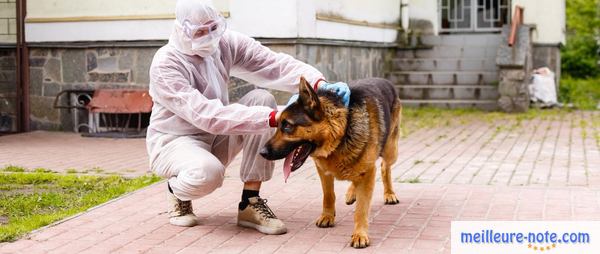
[390, 199]
[350, 199]
[325, 221]
[359, 240]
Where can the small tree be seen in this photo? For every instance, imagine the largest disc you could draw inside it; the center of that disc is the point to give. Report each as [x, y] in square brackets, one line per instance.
[580, 55]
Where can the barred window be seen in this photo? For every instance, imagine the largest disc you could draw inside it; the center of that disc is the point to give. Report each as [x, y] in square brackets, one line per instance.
[473, 15]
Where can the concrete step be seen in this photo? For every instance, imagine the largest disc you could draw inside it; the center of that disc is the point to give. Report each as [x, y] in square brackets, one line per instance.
[444, 64]
[487, 105]
[455, 46]
[443, 77]
[448, 92]
[485, 39]
[444, 51]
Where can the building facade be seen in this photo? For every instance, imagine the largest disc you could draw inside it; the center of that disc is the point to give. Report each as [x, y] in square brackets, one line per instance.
[431, 52]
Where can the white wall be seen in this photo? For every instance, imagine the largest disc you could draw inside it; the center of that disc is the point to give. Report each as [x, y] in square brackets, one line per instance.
[264, 18]
[99, 31]
[549, 16]
[373, 11]
[257, 18]
[424, 10]
[127, 28]
[78, 8]
[377, 11]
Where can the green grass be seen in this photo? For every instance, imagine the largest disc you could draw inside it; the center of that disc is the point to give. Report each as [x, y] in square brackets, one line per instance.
[71, 171]
[596, 124]
[98, 170]
[30, 200]
[42, 170]
[414, 119]
[13, 169]
[582, 93]
[411, 180]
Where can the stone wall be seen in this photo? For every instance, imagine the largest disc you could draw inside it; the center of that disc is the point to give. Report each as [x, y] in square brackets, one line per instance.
[337, 60]
[515, 65]
[8, 81]
[545, 55]
[54, 69]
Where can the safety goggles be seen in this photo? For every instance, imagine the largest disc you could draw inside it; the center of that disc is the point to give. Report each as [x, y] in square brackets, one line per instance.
[206, 32]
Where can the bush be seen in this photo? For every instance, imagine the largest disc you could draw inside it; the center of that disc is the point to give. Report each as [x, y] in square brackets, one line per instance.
[579, 57]
[583, 93]
[580, 54]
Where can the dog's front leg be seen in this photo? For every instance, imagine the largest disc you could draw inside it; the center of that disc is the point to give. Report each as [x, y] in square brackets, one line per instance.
[364, 192]
[327, 218]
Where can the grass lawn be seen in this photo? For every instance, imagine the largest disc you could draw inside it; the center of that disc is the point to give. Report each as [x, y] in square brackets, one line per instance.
[582, 93]
[414, 119]
[30, 200]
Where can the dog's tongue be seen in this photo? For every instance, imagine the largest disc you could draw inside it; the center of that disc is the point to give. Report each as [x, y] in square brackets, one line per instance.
[287, 166]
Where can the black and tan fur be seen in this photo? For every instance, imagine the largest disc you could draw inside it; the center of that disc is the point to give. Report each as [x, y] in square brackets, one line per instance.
[348, 143]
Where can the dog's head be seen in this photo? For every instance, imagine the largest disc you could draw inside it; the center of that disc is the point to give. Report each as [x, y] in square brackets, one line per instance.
[311, 125]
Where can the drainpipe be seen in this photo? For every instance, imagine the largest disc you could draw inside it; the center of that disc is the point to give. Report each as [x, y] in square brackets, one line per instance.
[404, 14]
[22, 69]
[403, 34]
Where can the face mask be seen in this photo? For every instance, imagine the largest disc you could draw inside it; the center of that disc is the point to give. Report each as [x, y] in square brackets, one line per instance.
[205, 48]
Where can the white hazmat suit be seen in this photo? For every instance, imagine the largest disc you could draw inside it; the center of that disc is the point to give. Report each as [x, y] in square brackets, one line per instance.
[194, 131]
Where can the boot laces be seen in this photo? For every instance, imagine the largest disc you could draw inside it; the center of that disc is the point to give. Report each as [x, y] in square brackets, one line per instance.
[261, 206]
[184, 207]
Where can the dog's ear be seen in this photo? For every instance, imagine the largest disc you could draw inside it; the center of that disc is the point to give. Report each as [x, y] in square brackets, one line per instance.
[309, 100]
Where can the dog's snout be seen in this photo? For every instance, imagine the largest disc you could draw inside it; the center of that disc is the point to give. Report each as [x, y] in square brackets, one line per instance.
[265, 151]
[272, 152]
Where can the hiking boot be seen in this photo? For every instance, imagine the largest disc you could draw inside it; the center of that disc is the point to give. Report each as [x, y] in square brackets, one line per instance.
[259, 216]
[181, 212]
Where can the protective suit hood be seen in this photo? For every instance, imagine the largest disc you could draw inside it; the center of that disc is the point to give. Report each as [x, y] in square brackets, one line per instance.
[195, 14]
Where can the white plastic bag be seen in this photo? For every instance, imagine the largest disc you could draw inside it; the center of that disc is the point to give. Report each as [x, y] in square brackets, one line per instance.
[543, 88]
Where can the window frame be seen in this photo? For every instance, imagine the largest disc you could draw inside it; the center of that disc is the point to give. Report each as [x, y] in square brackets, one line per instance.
[474, 6]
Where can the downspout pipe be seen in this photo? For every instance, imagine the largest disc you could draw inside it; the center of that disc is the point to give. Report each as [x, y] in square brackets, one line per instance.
[404, 18]
[403, 35]
[22, 69]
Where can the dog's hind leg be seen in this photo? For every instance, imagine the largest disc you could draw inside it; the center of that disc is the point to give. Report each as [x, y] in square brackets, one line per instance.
[350, 195]
[390, 154]
[327, 218]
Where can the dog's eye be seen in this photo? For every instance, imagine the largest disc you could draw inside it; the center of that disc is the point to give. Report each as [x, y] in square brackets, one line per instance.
[286, 127]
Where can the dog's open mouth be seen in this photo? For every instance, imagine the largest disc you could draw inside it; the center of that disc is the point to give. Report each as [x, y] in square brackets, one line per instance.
[296, 158]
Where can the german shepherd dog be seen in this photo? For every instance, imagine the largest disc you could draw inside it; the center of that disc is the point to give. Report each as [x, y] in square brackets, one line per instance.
[344, 142]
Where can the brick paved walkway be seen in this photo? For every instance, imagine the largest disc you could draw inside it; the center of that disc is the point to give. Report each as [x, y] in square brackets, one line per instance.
[61, 151]
[534, 169]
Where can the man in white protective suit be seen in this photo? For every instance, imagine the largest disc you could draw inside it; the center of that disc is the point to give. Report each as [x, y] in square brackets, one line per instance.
[195, 132]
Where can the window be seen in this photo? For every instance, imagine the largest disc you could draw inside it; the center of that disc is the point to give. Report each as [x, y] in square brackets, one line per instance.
[473, 15]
